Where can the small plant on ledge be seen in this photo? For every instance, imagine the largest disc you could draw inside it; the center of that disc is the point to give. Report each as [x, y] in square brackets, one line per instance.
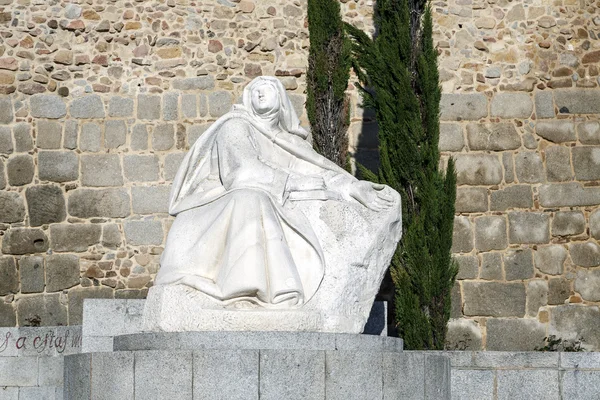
[554, 343]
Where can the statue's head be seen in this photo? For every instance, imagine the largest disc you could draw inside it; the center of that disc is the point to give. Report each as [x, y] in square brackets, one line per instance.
[265, 96]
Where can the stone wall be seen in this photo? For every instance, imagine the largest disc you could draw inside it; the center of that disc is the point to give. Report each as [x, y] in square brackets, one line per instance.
[102, 98]
[520, 116]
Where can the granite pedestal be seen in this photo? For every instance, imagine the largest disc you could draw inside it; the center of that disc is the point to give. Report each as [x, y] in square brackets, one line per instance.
[256, 365]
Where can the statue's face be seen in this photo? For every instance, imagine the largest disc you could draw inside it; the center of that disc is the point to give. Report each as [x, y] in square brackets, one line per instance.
[264, 98]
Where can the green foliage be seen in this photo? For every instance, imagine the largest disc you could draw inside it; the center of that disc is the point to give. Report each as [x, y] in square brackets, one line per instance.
[327, 79]
[558, 344]
[398, 76]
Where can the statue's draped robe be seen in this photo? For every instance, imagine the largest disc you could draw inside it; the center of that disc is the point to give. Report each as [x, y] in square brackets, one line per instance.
[235, 236]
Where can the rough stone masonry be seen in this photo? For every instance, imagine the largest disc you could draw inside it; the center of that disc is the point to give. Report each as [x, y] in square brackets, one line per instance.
[100, 99]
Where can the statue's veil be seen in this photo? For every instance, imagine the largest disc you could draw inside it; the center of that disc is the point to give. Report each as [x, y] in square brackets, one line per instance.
[287, 115]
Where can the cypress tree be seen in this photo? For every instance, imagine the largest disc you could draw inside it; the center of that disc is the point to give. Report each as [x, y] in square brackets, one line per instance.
[399, 67]
[327, 79]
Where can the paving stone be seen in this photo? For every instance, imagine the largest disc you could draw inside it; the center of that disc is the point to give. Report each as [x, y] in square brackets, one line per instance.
[573, 322]
[544, 105]
[78, 294]
[232, 374]
[6, 144]
[559, 290]
[472, 384]
[587, 284]
[58, 166]
[514, 334]
[111, 236]
[12, 206]
[518, 264]
[490, 233]
[529, 167]
[101, 170]
[585, 254]
[20, 170]
[586, 163]
[49, 134]
[203, 105]
[558, 164]
[171, 106]
[114, 375]
[42, 309]
[150, 200]
[120, 107]
[463, 334]
[494, 299]
[195, 131]
[456, 300]
[24, 241]
[580, 385]
[139, 137]
[219, 103]
[595, 224]
[91, 203]
[91, 137]
[163, 137]
[578, 101]
[87, 107]
[537, 296]
[77, 383]
[32, 273]
[458, 107]
[527, 384]
[511, 105]
[491, 266]
[46, 204]
[550, 259]
[115, 134]
[462, 240]
[516, 196]
[468, 267]
[2, 178]
[23, 139]
[199, 83]
[471, 199]
[478, 169]
[528, 227]
[141, 168]
[568, 195]
[148, 107]
[62, 272]
[18, 371]
[9, 278]
[348, 375]
[143, 232]
[566, 223]
[172, 163]
[189, 106]
[556, 131]
[6, 110]
[47, 106]
[494, 137]
[71, 134]
[74, 237]
[163, 374]
[8, 317]
[589, 132]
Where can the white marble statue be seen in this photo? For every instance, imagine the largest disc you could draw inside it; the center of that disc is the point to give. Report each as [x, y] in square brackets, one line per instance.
[265, 223]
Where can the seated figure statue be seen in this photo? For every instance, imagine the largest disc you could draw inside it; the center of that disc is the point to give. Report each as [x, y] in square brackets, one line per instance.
[256, 224]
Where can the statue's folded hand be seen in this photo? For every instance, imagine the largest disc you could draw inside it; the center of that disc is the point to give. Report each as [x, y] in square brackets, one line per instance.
[371, 195]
